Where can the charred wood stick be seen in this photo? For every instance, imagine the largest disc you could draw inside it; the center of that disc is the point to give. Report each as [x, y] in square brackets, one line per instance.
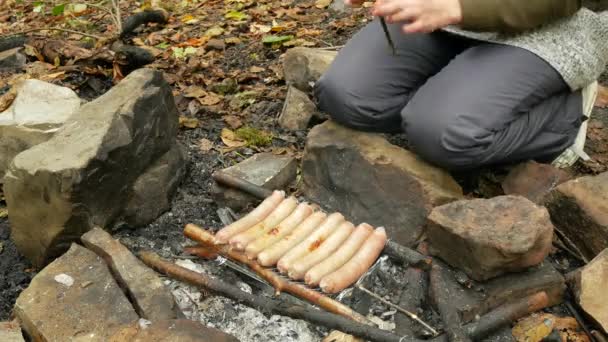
[599, 337]
[502, 316]
[408, 256]
[130, 56]
[147, 16]
[279, 283]
[449, 314]
[269, 305]
[506, 314]
[415, 291]
[11, 42]
[578, 318]
[242, 185]
[392, 249]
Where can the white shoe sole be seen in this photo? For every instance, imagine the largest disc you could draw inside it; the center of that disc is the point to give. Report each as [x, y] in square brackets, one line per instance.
[576, 151]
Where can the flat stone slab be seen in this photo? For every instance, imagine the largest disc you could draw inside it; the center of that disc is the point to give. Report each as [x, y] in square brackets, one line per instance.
[74, 298]
[180, 330]
[588, 286]
[579, 208]
[364, 177]
[489, 237]
[10, 332]
[83, 176]
[149, 296]
[264, 169]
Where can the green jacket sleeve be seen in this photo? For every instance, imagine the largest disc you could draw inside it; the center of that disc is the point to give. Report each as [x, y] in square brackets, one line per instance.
[513, 15]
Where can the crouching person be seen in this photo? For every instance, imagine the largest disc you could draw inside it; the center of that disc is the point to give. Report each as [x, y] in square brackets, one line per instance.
[473, 82]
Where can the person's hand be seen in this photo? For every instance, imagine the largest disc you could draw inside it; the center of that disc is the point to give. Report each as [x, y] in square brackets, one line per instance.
[420, 15]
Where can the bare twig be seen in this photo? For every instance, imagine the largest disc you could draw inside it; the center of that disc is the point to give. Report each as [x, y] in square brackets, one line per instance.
[55, 29]
[571, 244]
[116, 6]
[398, 308]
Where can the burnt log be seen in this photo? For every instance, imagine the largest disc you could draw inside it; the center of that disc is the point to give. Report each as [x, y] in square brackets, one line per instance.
[148, 16]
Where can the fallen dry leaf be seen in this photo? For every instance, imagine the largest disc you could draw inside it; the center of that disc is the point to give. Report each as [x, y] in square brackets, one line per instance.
[233, 40]
[210, 99]
[602, 97]
[322, 3]
[233, 121]
[256, 69]
[536, 327]
[205, 145]
[230, 139]
[188, 122]
[194, 91]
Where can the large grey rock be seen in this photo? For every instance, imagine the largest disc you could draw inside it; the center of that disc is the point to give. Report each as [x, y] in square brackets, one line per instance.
[304, 66]
[587, 285]
[297, 110]
[267, 170]
[152, 192]
[12, 59]
[489, 237]
[10, 332]
[82, 177]
[149, 296]
[579, 208]
[368, 179]
[37, 112]
[74, 298]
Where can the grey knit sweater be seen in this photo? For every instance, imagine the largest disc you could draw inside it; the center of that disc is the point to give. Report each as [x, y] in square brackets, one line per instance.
[577, 47]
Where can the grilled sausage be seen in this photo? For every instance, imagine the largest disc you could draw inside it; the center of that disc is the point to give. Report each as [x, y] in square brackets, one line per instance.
[310, 243]
[256, 216]
[348, 274]
[325, 249]
[281, 212]
[275, 234]
[271, 254]
[339, 257]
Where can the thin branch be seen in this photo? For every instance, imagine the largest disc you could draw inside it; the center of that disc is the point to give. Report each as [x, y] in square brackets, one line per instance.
[116, 5]
[397, 307]
[54, 29]
[106, 10]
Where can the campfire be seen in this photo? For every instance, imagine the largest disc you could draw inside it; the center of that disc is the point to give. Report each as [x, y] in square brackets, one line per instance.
[168, 177]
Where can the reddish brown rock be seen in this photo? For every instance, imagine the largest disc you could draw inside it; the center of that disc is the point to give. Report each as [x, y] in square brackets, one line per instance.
[10, 332]
[533, 180]
[74, 298]
[181, 330]
[368, 179]
[579, 208]
[151, 299]
[588, 288]
[489, 237]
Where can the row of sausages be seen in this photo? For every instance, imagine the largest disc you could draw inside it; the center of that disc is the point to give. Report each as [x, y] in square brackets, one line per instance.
[323, 250]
